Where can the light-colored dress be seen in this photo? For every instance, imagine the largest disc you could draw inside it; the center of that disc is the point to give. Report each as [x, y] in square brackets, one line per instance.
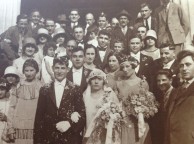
[92, 106]
[154, 54]
[4, 106]
[23, 107]
[130, 129]
[46, 77]
[19, 62]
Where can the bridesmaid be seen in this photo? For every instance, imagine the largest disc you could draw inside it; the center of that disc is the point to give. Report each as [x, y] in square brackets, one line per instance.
[127, 85]
[24, 103]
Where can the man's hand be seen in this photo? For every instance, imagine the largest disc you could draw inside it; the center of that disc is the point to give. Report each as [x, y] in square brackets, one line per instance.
[63, 126]
[75, 117]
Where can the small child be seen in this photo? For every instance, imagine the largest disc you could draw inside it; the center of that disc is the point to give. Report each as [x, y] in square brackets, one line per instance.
[118, 46]
[4, 106]
[92, 35]
[47, 62]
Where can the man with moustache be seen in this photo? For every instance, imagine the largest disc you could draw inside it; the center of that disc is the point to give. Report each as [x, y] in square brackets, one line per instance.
[90, 21]
[123, 32]
[180, 128]
[60, 115]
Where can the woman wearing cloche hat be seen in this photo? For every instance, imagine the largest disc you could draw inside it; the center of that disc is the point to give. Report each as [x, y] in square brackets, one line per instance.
[150, 45]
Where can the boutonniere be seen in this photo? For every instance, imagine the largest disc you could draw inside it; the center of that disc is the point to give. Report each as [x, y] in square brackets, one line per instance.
[66, 88]
[85, 72]
[144, 58]
[72, 85]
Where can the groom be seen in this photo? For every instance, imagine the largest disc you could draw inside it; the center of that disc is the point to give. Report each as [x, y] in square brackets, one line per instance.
[58, 109]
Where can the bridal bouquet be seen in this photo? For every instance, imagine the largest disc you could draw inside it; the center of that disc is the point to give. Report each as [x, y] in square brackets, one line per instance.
[106, 125]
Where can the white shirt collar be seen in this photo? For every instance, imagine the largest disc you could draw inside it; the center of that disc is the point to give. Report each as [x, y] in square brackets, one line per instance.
[169, 64]
[63, 82]
[136, 56]
[77, 70]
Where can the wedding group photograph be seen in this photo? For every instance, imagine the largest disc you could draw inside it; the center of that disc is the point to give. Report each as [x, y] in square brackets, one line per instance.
[96, 72]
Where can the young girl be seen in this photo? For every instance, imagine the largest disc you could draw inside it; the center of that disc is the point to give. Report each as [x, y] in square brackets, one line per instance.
[4, 105]
[47, 62]
[24, 103]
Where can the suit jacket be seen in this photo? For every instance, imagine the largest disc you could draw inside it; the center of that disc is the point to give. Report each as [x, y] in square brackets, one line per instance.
[180, 128]
[118, 34]
[140, 22]
[173, 26]
[69, 30]
[48, 115]
[144, 67]
[13, 34]
[85, 74]
[103, 64]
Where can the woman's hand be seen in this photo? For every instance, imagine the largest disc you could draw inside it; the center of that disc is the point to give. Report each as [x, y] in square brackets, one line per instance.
[75, 117]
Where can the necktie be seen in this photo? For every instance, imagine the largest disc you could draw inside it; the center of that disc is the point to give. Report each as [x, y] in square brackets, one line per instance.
[147, 26]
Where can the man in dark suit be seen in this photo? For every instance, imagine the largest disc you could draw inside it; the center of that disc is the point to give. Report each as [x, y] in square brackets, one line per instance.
[60, 115]
[146, 19]
[74, 17]
[78, 33]
[180, 128]
[158, 122]
[90, 21]
[123, 32]
[135, 45]
[78, 73]
[103, 48]
[172, 25]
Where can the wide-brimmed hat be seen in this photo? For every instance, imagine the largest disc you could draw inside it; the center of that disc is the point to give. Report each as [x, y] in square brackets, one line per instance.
[43, 32]
[31, 41]
[96, 73]
[151, 33]
[124, 13]
[58, 31]
[11, 70]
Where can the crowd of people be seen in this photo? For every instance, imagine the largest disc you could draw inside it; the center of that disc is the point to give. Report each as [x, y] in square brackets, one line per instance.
[56, 73]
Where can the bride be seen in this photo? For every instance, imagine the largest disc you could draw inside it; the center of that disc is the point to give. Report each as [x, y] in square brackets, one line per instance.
[93, 98]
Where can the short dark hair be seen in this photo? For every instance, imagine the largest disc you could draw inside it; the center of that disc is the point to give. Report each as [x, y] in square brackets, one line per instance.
[74, 9]
[104, 32]
[76, 49]
[167, 72]
[21, 16]
[34, 10]
[78, 26]
[47, 46]
[135, 36]
[181, 55]
[61, 60]
[146, 4]
[31, 63]
[164, 45]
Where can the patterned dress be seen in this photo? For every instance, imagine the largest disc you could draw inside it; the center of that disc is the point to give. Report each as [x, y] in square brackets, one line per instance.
[23, 107]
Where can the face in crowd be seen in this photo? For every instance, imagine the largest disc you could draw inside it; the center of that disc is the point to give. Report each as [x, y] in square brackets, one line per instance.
[135, 45]
[74, 16]
[77, 59]
[103, 40]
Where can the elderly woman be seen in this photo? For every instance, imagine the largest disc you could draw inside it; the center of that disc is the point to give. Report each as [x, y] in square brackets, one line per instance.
[93, 97]
[129, 85]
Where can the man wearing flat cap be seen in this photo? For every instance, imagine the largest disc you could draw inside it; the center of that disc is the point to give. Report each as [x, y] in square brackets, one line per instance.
[123, 32]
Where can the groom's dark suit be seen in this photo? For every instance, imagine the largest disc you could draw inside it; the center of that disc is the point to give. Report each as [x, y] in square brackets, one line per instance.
[48, 115]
